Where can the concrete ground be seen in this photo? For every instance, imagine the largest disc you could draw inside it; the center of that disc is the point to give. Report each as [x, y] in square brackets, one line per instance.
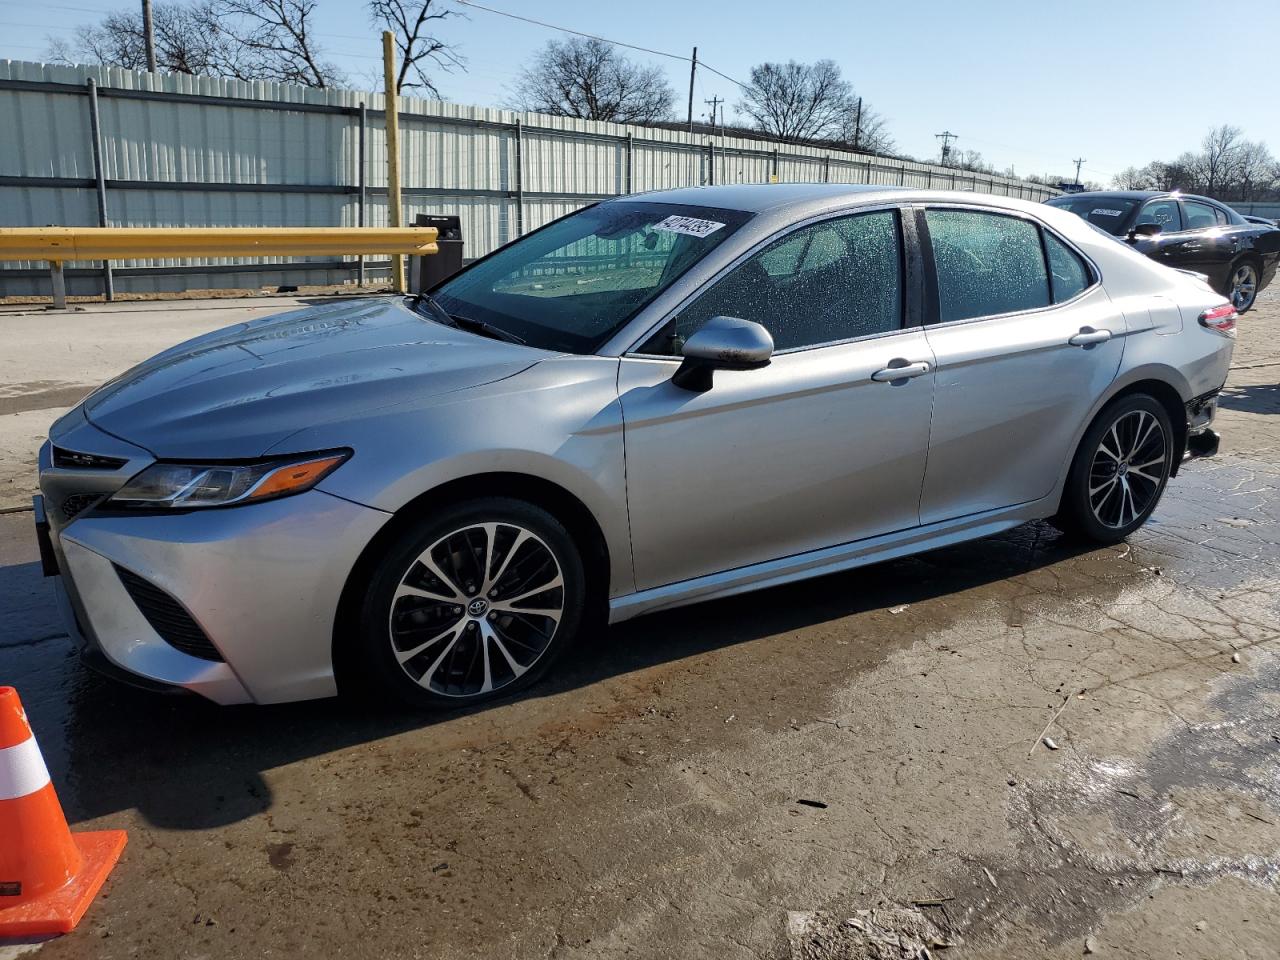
[689, 778]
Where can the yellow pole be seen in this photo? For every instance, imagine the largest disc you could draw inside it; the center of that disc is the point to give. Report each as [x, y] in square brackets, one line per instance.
[393, 150]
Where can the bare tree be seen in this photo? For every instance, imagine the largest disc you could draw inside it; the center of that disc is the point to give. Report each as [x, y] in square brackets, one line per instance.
[589, 79]
[276, 39]
[970, 160]
[1256, 170]
[1218, 162]
[188, 40]
[1130, 178]
[798, 101]
[414, 22]
[866, 130]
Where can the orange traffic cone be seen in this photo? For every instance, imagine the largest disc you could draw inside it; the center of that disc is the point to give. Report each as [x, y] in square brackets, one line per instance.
[48, 876]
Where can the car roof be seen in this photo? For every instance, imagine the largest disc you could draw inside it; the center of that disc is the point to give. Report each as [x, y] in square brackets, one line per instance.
[797, 198]
[1118, 194]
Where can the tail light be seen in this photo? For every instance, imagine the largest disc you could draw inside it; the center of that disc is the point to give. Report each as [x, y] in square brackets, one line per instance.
[1220, 319]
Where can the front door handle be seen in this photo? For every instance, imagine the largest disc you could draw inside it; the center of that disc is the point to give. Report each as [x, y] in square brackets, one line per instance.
[904, 372]
[1087, 336]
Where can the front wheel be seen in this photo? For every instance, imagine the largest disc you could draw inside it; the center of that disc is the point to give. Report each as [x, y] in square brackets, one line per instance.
[473, 603]
[1119, 471]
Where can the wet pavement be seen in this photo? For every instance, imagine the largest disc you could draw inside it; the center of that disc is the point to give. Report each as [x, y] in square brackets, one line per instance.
[866, 739]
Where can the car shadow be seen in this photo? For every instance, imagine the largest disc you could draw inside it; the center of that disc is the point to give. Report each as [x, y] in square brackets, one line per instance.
[1259, 398]
[187, 764]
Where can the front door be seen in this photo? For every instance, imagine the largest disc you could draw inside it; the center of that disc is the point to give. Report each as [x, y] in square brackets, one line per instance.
[1026, 340]
[819, 448]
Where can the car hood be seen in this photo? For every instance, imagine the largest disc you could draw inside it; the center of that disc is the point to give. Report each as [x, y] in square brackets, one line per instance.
[236, 392]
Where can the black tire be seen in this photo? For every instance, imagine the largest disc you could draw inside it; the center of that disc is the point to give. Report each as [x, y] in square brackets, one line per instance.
[1239, 299]
[1090, 509]
[527, 643]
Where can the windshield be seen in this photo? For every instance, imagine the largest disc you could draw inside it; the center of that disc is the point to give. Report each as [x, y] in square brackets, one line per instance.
[1109, 213]
[573, 284]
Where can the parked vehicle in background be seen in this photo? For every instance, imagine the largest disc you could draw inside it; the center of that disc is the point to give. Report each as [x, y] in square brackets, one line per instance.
[656, 400]
[1189, 233]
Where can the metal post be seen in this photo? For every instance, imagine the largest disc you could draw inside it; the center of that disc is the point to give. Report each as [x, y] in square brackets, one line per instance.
[149, 35]
[902, 174]
[711, 164]
[364, 116]
[631, 162]
[59, 284]
[826, 169]
[519, 178]
[394, 212]
[95, 133]
[774, 174]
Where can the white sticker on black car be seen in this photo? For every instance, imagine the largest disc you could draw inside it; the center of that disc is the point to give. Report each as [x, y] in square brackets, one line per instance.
[691, 226]
[1104, 212]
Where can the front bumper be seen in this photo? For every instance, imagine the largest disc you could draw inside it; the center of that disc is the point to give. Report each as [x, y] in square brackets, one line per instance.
[262, 581]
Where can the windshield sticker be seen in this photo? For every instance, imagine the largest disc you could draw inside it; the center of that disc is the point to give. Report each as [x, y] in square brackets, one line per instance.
[690, 226]
[1103, 211]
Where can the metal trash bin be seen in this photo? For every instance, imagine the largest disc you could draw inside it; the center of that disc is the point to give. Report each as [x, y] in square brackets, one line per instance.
[428, 271]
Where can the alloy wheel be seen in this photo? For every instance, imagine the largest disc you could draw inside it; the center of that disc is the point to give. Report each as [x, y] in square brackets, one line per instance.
[1128, 469]
[477, 609]
[1244, 286]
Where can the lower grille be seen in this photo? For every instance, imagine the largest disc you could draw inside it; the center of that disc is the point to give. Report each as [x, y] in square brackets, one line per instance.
[168, 618]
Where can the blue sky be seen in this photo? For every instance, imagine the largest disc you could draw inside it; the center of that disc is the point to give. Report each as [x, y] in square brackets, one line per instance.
[1031, 84]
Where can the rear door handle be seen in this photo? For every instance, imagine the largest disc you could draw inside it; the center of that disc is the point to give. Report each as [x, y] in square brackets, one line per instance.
[1087, 336]
[905, 372]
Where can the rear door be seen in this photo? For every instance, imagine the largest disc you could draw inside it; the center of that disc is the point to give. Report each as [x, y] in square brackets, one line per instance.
[1025, 340]
[1205, 244]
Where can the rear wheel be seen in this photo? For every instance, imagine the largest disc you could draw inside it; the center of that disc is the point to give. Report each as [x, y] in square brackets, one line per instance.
[471, 604]
[1119, 471]
[1242, 285]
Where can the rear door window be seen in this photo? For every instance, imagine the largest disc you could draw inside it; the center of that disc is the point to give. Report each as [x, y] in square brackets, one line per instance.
[986, 263]
[1200, 216]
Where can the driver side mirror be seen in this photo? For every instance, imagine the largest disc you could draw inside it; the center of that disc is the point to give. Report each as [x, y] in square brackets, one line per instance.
[1144, 230]
[723, 343]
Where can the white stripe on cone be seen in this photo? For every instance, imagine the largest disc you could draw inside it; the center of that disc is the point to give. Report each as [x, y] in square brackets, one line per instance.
[22, 770]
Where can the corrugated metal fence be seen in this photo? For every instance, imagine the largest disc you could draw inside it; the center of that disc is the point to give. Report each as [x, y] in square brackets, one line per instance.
[198, 151]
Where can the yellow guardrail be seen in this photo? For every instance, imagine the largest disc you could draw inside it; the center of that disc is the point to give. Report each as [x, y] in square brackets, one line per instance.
[59, 244]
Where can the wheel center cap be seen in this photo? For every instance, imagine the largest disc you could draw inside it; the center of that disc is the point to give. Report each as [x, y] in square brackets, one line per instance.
[478, 607]
[1122, 469]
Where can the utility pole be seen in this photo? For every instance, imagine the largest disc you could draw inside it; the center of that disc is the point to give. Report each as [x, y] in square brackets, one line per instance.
[711, 144]
[946, 136]
[149, 35]
[693, 70]
[1078, 162]
[713, 103]
[393, 151]
[857, 127]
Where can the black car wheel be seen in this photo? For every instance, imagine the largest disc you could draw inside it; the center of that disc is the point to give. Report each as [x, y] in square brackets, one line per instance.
[1119, 471]
[1242, 285]
[474, 603]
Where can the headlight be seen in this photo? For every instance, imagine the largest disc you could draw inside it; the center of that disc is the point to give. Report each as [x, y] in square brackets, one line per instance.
[185, 486]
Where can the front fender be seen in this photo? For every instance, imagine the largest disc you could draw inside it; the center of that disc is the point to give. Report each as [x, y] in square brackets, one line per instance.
[559, 421]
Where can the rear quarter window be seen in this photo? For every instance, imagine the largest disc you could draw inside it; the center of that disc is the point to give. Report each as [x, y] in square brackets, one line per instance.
[1069, 275]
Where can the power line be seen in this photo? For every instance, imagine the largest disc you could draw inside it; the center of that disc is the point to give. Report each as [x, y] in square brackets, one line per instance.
[591, 36]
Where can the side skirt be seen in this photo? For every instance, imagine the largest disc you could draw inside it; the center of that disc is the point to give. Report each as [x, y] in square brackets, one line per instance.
[817, 563]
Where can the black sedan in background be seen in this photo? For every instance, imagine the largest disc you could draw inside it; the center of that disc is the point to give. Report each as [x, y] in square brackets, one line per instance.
[1187, 232]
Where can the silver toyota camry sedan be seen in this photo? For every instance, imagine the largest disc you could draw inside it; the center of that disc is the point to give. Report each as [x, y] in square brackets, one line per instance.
[653, 401]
